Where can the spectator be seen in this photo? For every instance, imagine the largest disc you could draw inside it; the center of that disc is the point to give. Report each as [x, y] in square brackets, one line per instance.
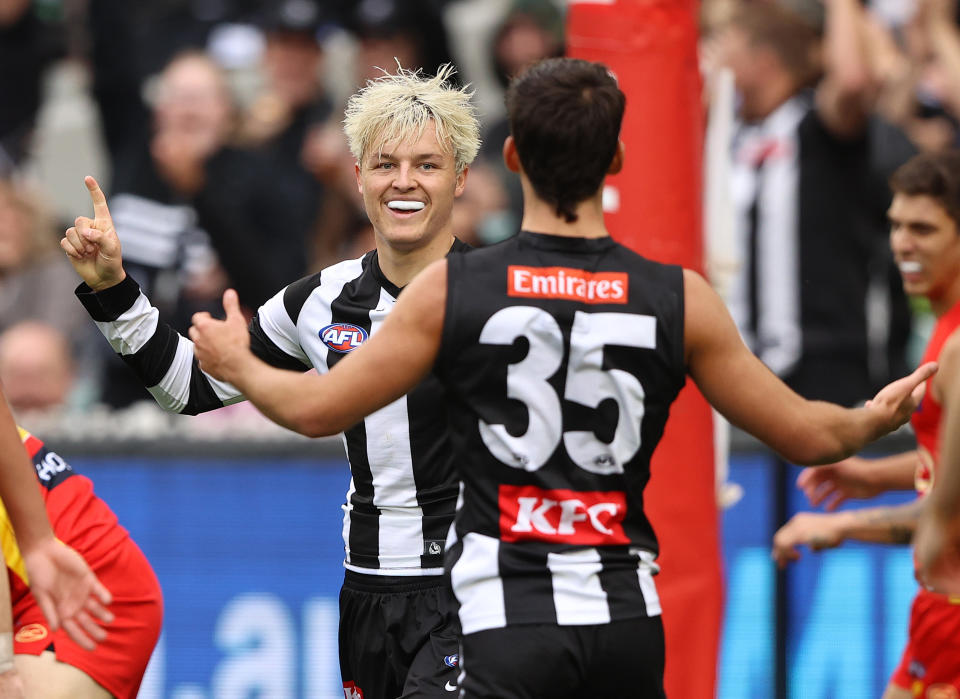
[27, 46]
[531, 30]
[36, 368]
[32, 271]
[817, 296]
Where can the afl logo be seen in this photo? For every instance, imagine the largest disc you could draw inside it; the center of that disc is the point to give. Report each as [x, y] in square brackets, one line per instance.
[31, 633]
[343, 337]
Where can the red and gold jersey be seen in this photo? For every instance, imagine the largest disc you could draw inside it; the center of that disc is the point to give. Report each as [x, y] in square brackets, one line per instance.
[79, 518]
[926, 420]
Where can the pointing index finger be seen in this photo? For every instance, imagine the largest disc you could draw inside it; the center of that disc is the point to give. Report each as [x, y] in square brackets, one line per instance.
[100, 209]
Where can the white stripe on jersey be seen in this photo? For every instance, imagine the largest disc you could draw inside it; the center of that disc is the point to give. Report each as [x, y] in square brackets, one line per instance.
[280, 328]
[391, 466]
[347, 508]
[475, 579]
[318, 308]
[647, 569]
[389, 456]
[133, 329]
[173, 391]
[400, 531]
[577, 594]
[452, 537]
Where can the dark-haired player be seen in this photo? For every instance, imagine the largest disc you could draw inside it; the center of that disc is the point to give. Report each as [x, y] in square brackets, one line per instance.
[925, 239]
[560, 352]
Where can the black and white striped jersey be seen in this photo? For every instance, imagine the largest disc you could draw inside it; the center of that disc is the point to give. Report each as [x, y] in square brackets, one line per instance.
[561, 358]
[403, 487]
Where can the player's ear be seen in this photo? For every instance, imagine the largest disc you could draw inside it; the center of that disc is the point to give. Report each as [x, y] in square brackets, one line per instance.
[356, 171]
[616, 165]
[510, 156]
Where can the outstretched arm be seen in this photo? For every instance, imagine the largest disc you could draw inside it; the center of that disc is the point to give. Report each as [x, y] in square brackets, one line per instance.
[748, 394]
[857, 478]
[384, 368]
[819, 531]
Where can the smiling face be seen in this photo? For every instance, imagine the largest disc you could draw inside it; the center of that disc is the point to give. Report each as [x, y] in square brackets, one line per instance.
[408, 189]
[926, 247]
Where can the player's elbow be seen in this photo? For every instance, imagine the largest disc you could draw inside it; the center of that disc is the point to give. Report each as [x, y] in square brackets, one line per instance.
[818, 453]
[316, 423]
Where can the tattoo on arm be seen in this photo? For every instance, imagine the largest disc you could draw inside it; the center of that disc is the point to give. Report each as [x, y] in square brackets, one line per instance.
[893, 525]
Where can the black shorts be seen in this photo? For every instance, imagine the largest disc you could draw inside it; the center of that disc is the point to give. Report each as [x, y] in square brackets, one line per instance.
[623, 659]
[398, 637]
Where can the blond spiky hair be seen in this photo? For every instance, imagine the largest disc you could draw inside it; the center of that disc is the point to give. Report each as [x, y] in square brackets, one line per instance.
[398, 106]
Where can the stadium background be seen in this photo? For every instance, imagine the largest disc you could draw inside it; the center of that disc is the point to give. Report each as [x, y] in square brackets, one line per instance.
[251, 569]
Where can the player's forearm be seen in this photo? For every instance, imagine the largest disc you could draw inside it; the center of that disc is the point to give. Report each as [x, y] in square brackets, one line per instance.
[291, 399]
[18, 485]
[895, 472]
[882, 525]
[825, 433]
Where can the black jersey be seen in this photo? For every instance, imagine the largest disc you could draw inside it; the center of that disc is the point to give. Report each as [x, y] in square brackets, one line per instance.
[403, 488]
[561, 357]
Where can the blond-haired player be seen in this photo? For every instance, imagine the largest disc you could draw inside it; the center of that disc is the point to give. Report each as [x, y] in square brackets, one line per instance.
[414, 138]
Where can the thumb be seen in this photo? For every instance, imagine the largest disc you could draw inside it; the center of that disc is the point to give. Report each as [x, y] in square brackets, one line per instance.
[231, 304]
[917, 394]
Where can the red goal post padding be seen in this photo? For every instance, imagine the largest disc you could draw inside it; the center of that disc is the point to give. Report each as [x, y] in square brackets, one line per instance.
[654, 206]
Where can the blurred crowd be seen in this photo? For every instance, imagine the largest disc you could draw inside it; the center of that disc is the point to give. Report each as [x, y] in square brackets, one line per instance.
[224, 162]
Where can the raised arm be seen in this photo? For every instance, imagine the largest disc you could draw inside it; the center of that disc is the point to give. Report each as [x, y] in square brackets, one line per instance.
[384, 368]
[160, 357]
[750, 396]
[847, 89]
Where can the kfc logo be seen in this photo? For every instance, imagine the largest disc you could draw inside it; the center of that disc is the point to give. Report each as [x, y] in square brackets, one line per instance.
[594, 518]
[566, 283]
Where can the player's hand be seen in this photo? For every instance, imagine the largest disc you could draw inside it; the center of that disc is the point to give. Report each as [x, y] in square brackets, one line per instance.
[11, 685]
[937, 552]
[68, 593]
[222, 346]
[814, 530]
[834, 484]
[897, 401]
[92, 245]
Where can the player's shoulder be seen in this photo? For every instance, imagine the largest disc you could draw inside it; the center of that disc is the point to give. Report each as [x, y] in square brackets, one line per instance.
[293, 297]
[949, 357]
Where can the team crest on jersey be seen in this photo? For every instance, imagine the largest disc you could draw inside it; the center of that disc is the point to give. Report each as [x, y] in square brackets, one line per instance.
[352, 691]
[343, 337]
[31, 633]
[451, 660]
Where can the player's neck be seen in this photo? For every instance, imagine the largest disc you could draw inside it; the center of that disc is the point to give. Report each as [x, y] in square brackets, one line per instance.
[941, 305]
[401, 264]
[541, 217]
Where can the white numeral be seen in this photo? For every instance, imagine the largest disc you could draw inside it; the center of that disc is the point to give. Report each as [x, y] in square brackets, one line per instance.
[587, 383]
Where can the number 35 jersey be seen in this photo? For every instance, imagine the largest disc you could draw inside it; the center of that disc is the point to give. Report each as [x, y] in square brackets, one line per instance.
[561, 357]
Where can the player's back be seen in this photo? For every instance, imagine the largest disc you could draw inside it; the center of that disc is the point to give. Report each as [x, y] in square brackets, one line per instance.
[561, 357]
